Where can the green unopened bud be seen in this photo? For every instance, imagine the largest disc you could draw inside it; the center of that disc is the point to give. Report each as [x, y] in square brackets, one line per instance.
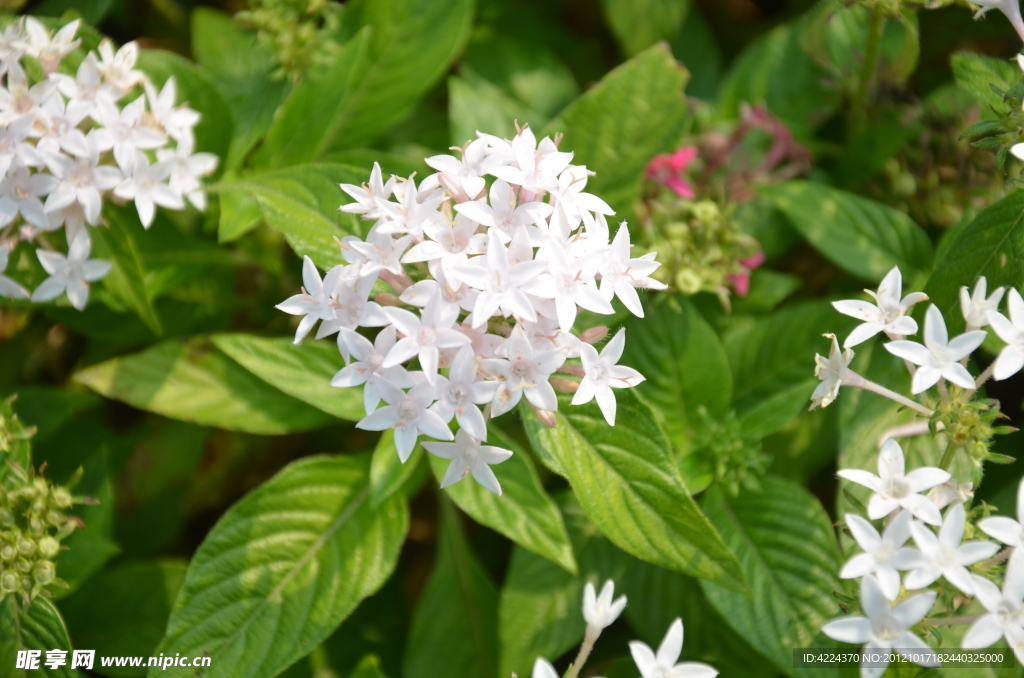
[8, 582]
[24, 566]
[61, 498]
[688, 281]
[6, 517]
[55, 518]
[706, 212]
[8, 552]
[44, 572]
[49, 547]
[26, 547]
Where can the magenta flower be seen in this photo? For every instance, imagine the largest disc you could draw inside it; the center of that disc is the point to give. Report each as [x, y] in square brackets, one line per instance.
[741, 281]
[667, 170]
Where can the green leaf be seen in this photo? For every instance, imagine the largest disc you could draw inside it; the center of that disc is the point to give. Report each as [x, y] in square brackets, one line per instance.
[789, 555]
[124, 611]
[773, 363]
[283, 567]
[684, 362]
[539, 609]
[861, 236]
[775, 70]
[193, 381]
[302, 371]
[977, 74]
[387, 472]
[617, 126]
[627, 482]
[239, 67]
[475, 104]
[127, 279]
[524, 512]
[403, 49]
[213, 133]
[638, 24]
[39, 627]
[992, 246]
[302, 204]
[454, 626]
[18, 448]
[239, 214]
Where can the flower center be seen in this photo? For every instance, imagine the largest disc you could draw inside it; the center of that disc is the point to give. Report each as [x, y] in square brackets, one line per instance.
[885, 628]
[899, 488]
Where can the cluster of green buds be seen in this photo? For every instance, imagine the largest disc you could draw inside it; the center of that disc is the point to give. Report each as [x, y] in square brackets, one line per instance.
[700, 245]
[298, 32]
[724, 454]
[33, 515]
[1004, 134]
[937, 177]
[970, 424]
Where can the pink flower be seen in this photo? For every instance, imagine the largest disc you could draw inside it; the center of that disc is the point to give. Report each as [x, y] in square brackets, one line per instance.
[667, 170]
[741, 281]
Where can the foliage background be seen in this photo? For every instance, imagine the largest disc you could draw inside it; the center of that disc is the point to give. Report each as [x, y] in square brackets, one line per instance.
[194, 428]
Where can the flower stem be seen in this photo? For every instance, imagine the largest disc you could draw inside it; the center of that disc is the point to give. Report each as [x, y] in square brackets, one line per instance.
[984, 376]
[858, 110]
[588, 644]
[949, 455]
[995, 560]
[854, 379]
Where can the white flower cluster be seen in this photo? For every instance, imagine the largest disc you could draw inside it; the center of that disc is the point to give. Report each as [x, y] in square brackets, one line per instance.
[66, 140]
[599, 612]
[502, 274]
[897, 497]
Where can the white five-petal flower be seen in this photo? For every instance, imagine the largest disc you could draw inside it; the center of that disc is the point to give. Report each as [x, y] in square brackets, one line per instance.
[599, 611]
[469, 456]
[71, 274]
[408, 414]
[884, 628]
[888, 314]
[975, 306]
[663, 663]
[603, 374]
[1005, 610]
[883, 554]
[893, 488]
[315, 303]
[939, 356]
[945, 556]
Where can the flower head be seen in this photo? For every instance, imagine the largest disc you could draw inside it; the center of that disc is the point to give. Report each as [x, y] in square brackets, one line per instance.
[830, 370]
[600, 611]
[469, 456]
[940, 356]
[888, 314]
[663, 663]
[893, 488]
[883, 628]
[603, 374]
[883, 554]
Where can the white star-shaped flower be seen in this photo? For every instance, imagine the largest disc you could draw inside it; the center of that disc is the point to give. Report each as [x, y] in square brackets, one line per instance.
[570, 282]
[894, 489]
[1005, 612]
[176, 119]
[423, 336]
[82, 180]
[888, 314]
[19, 194]
[469, 456]
[315, 302]
[1010, 330]
[368, 197]
[366, 369]
[499, 283]
[408, 414]
[975, 306]
[939, 356]
[502, 213]
[620, 275]
[535, 171]
[71, 274]
[118, 68]
[663, 664]
[49, 50]
[603, 374]
[945, 556]
[831, 371]
[459, 394]
[883, 554]
[1007, 530]
[600, 611]
[525, 371]
[147, 186]
[884, 628]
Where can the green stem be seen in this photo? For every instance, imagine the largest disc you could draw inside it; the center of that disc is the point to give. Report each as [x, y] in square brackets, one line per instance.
[859, 112]
[588, 644]
[950, 454]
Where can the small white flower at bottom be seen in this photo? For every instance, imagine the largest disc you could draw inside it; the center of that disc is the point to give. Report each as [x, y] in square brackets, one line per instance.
[601, 611]
[884, 628]
[71, 274]
[469, 456]
[663, 664]
[1005, 611]
[945, 556]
